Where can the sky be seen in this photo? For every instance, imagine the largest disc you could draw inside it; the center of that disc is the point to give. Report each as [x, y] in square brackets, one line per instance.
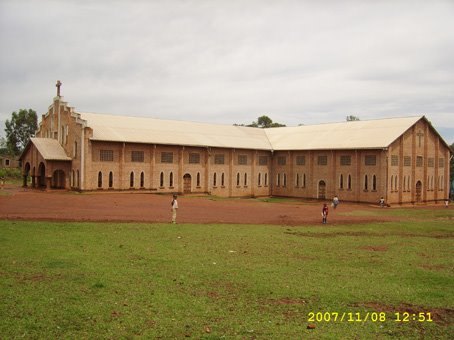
[231, 61]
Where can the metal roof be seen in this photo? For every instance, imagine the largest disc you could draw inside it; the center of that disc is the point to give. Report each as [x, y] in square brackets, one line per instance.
[174, 132]
[50, 149]
[362, 134]
[373, 134]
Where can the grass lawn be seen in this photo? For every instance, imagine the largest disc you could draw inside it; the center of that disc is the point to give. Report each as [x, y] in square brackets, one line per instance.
[132, 280]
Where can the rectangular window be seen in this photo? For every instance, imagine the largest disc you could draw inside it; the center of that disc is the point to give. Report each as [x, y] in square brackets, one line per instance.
[407, 160]
[281, 160]
[430, 162]
[441, 162]
[419, 161]
[322, 160]
[300, 160]
[137, 156]
[218, 159]
[263, 160]
[242, 159]
[370, 160]
[194, 158]
[166, 157]
[345, 160]
[394, 160]
[106, 155]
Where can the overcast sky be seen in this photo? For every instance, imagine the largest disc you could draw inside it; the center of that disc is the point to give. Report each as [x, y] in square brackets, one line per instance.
[228, 61]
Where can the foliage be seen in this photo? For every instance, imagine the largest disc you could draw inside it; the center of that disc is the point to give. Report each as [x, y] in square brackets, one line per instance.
[352, 118]
[13, 173]
[263, 122]
[3, 146]
[130, 280]
[19, 129]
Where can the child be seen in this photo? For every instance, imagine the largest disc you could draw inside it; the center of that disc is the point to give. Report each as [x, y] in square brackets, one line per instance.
[324, 213]
[174, 209]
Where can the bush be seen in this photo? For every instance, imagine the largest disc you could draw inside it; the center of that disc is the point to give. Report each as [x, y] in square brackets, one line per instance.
[11, 173]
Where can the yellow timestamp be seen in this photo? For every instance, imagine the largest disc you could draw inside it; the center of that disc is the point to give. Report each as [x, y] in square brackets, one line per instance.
[368, 317]
[407, 317]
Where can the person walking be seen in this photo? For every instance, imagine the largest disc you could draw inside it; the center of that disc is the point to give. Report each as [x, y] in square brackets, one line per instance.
[335, 201]
[324, 213]
[174, 209]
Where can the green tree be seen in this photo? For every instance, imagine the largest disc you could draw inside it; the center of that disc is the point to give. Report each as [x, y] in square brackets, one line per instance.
[265, 122]
[352, 118]
[19, 129]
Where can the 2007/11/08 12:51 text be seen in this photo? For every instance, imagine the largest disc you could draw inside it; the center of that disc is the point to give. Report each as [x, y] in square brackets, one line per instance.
[369, 317]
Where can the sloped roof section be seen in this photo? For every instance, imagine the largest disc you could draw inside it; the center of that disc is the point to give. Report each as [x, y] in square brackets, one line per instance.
[50, 149]
[367, 134]
[173, 132]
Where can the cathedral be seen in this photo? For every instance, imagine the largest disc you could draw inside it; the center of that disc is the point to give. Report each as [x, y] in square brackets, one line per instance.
[403, 160]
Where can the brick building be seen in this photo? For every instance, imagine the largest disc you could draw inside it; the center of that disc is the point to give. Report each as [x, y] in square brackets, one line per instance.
[401, 159]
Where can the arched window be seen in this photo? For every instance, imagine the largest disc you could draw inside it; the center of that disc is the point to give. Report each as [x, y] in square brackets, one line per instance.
[161, 179]
[374, 183]
[142, 179]
[278, 181]
[245, 179]
[198, 179]
[131, 180]
[266, 179]
[341, 181]
[297, 184]
[214, 180]
[77, 179]
[304, 180]
[392, 182]
[285, 179]
[238, 179]
[259, 180]
[349, 182]
[365, 182]
[395, 183]
[100, 179]
[110, 179]
[222, 179]
[171, 179]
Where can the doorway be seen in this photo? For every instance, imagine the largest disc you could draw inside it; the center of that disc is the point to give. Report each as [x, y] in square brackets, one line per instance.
[187, 184]
[418, 191]
[322, 189]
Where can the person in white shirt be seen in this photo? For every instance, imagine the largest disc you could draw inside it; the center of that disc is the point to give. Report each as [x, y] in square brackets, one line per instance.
[174, 209]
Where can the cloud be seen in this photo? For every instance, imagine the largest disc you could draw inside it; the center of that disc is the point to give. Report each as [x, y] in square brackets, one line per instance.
[231, 61]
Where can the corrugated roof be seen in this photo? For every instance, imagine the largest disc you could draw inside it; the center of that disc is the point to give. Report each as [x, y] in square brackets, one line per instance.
[50, 149]
[372, 134]
[367, 134]
[160, 131]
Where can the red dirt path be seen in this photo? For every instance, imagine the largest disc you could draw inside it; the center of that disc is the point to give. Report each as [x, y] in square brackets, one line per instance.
[27, 204]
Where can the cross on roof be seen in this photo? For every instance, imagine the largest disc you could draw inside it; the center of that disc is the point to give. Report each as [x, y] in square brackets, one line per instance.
[58, 85]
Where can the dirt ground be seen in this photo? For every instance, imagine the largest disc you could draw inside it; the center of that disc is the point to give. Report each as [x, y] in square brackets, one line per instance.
[28, 204]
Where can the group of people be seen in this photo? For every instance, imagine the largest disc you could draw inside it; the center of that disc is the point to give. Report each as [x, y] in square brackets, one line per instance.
[325, 208]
